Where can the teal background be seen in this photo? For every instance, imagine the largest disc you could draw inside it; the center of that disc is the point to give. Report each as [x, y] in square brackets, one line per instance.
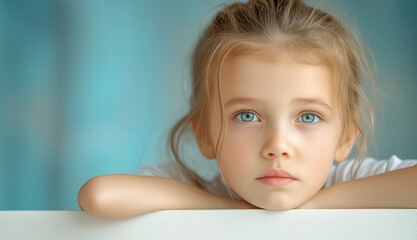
[91, 87]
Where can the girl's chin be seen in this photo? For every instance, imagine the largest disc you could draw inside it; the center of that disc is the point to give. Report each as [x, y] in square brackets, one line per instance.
[280, 202]
[276, 206]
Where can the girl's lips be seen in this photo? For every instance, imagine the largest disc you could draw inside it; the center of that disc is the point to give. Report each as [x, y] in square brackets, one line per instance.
[277, 173]
[277, 177]
[276, 181]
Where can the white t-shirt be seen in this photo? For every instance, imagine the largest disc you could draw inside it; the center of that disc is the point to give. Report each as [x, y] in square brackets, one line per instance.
[340, 172]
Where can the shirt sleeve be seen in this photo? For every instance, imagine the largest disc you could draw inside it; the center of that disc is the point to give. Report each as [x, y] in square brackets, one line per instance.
[343, 172]
[166, 169]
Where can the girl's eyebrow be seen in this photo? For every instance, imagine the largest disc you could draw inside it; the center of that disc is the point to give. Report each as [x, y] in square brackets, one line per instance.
[241, 100]
[316, 101]
[303, 101]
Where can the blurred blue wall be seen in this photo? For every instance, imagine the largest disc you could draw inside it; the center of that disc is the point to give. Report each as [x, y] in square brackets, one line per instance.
[91, 87]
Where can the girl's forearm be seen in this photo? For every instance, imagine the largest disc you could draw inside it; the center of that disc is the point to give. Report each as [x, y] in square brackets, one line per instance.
[125, 196]
[395, 189]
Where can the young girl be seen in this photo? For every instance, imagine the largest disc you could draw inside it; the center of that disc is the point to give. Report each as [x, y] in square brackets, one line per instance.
[277, 99]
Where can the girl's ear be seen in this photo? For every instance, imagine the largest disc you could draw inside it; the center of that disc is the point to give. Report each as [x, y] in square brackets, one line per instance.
[205, 148]
[345, 146]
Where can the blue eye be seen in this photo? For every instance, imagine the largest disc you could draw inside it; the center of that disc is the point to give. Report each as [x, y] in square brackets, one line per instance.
[247, 117]
[308, 118]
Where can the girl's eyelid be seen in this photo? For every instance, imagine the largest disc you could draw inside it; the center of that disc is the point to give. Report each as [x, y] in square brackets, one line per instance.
[320, 116]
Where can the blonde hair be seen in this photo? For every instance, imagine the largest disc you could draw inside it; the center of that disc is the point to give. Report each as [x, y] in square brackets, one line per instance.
[262, 26]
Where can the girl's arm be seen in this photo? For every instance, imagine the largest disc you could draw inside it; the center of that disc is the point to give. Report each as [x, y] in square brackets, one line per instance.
[395, 189]
[124, 196]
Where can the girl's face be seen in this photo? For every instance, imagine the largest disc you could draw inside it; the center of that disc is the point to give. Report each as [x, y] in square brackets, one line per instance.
[280, 115]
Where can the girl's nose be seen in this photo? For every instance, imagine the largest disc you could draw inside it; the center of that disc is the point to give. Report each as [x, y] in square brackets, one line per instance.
[277, 145]
[271, 155]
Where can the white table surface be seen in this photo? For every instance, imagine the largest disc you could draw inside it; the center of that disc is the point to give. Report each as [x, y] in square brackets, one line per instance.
[215, 224]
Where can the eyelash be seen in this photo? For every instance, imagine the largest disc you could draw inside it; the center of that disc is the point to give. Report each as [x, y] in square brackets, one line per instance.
[303, 113]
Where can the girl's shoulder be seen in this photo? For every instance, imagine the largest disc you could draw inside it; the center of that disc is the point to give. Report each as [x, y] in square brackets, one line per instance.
[343, 171]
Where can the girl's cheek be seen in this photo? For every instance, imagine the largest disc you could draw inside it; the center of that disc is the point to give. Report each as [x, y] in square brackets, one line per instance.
[238, 144]
[244, 129]
[302, 136]
[315, 131]
[315, 140]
